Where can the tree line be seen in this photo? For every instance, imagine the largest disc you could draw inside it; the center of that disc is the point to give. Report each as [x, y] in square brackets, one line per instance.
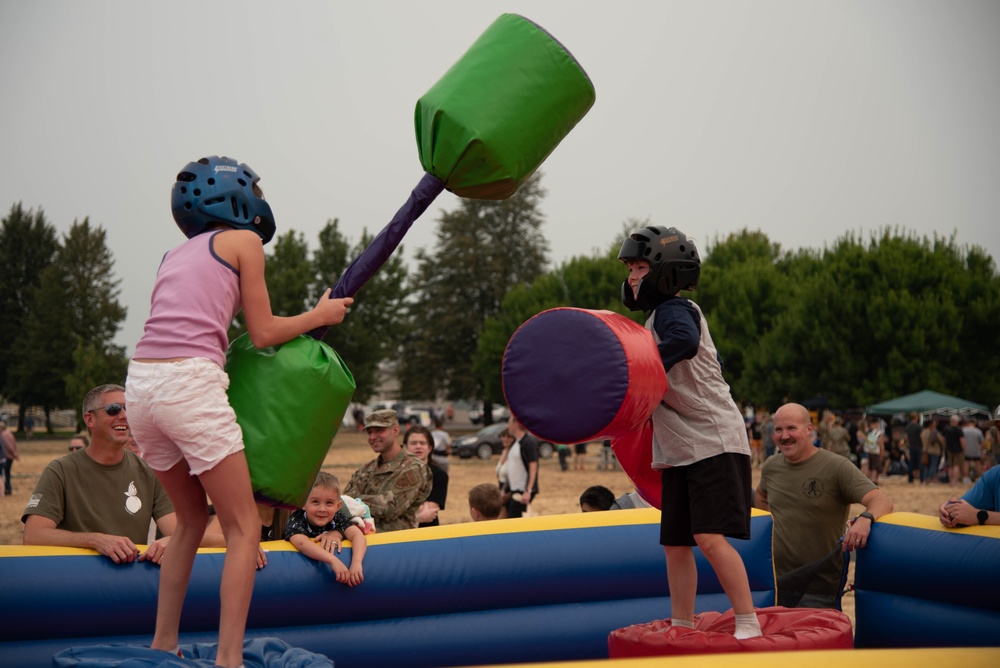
[857, 322]
[59, 312]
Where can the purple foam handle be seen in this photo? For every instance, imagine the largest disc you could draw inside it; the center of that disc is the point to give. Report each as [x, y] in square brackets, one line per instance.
[382, 246]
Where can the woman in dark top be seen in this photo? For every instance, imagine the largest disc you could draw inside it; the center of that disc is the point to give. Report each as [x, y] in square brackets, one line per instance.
[418, 442]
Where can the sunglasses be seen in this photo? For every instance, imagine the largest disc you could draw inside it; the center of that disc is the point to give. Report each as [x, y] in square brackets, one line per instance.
[110, 409]
[74, 448]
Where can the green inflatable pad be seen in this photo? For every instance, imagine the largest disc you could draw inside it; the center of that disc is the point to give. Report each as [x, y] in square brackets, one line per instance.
[491, 120]
[289, 402]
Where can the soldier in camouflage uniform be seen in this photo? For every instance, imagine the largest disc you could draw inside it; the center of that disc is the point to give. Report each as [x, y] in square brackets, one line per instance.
[395, 483]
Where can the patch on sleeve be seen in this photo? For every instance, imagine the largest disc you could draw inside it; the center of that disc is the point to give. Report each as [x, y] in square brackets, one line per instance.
[408, 479]
[34, 501]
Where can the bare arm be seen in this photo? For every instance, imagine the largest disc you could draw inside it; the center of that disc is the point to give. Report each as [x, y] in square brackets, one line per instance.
[876, 503]
[154, 552]
[959, 512]
[40, 530]
[760, 500]
[314, 551]
[359, 545]
[321, 549]
[265, 328]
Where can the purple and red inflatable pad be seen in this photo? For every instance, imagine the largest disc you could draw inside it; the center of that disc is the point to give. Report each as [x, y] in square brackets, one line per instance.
[574, 375]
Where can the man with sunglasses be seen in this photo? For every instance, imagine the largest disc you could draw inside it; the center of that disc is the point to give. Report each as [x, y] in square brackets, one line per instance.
[102, 496]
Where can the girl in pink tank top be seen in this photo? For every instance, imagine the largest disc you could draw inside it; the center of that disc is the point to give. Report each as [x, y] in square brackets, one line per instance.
[176, 390]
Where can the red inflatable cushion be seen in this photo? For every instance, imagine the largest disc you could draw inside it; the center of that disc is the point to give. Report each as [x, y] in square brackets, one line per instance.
[784, 629]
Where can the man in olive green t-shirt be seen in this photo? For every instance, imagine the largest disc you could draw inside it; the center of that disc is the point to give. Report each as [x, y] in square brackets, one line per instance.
[102, 497]
[809, 492]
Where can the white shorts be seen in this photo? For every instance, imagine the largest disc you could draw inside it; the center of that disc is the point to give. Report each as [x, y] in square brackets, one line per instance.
[180, 410]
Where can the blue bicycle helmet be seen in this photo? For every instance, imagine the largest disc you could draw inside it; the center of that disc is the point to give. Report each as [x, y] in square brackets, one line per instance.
[674, 265]
[219, 190]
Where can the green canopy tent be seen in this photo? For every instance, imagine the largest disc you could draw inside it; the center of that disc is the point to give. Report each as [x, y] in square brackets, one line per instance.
[928, 403]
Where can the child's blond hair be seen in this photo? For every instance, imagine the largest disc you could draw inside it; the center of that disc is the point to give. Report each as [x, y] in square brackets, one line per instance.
[328, 481]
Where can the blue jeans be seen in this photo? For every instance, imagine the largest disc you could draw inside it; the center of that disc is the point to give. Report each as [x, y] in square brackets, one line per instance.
[929, 473]
[915, 456]
[6, 475]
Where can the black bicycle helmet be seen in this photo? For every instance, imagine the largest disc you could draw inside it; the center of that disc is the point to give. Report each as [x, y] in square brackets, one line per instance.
[674, 265]
[219, 190]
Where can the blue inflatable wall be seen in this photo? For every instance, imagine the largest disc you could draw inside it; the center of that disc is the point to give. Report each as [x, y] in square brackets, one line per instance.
[511, 591]
[532, 589]
[919, 584]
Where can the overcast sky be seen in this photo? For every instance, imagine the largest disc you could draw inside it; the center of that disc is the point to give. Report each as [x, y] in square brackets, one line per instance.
[805, 120]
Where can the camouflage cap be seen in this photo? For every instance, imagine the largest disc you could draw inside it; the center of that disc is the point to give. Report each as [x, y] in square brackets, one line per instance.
[381, 419]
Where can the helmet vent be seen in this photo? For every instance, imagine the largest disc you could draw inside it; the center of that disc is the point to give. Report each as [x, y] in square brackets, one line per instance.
[197, 192]
[211, 181]
[215, 200]
[185, 176]
[246, 215]
[242, 182]
[184, 190]
[236, 208]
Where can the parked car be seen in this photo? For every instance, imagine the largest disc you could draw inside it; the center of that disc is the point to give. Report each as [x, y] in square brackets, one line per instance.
[486, 442]
[410, 415]
[500, 413]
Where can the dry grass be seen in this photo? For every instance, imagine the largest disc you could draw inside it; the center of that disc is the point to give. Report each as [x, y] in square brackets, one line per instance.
[560, 491]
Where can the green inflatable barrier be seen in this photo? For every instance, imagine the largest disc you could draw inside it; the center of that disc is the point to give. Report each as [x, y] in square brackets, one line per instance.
[289, 401]
[482, 130]
[491, 120]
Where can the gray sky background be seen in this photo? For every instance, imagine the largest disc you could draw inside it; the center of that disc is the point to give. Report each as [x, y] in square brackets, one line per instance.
[805, 120]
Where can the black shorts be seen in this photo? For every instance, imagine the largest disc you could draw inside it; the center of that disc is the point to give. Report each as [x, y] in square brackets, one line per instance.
[711, 496]
[580, 448]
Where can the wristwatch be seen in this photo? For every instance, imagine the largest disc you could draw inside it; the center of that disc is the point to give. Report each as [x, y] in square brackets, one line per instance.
[982, 516]
[868, 515]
